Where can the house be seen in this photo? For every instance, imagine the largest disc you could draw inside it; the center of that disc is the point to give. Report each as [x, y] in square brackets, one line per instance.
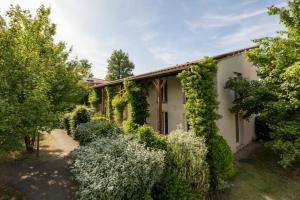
[94, 81]
[166, 98]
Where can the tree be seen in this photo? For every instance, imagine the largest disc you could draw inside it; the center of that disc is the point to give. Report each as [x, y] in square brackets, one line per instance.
[276, 97]
[37, 83]
[119, 66]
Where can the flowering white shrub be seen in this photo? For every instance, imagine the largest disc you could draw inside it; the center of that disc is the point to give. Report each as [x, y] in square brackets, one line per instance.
[116, 168]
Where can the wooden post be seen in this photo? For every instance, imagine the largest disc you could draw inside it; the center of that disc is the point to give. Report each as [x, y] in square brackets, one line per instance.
[38, 145]
[158, 85]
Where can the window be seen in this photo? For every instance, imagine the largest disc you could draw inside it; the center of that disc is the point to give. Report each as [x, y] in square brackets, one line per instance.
[165, 92]
[165, 127]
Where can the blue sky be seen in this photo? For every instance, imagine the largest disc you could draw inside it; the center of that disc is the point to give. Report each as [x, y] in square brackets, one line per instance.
[156, 33]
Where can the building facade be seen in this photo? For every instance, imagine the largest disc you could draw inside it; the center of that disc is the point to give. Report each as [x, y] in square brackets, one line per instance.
[166, 98]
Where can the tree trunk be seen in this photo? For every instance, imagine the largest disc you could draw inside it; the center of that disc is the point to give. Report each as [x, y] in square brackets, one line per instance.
[38, 145]
[29, 142]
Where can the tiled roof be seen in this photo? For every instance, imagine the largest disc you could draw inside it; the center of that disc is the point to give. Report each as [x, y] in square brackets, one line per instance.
[172, 70]
[95, 80]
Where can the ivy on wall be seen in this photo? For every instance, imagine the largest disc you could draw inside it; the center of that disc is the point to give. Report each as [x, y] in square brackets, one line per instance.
[136, 95]
[94, 97]
[119, 103]
[110, 93]
[201, 105]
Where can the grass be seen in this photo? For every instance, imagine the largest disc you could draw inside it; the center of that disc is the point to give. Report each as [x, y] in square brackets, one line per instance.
[260, 177]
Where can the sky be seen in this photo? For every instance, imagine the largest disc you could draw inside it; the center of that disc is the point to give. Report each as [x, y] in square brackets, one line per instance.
[155, 33]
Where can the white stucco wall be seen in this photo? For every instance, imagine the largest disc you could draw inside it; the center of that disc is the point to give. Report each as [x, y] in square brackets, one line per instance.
[174, 106]
[227, 128]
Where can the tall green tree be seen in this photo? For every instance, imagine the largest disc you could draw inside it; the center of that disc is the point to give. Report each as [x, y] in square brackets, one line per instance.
[119, 66]
[276, 97]
[37, 82]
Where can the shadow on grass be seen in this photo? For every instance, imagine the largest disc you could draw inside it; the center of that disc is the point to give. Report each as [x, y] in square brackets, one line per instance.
[259, 176]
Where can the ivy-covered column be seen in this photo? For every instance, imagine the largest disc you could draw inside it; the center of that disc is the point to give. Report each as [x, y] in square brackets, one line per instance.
[136, 95]
[201, 106]
[110, 93]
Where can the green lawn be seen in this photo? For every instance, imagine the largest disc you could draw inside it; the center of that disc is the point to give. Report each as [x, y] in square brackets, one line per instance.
[260, 177]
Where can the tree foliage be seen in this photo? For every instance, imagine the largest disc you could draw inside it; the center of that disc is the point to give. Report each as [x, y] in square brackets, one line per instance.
[276, 97]
[119, 66]
[37, 83]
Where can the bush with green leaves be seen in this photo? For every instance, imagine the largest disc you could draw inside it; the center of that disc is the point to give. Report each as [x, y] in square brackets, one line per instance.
[81, 114]
[88, 132]
[150, 138]
[130, 127]
[66, 122]
[187, 173]
[223, 159]
[116, 168]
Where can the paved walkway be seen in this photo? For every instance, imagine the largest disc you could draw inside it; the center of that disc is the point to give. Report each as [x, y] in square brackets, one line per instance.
[47, 178]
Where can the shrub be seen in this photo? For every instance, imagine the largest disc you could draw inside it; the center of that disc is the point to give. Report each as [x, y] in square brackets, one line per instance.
[222, 159]
[116, 168]
[81, 114]
[150, 138]
[187, 173]
[89, 131]
[129, 126]
[66, 122]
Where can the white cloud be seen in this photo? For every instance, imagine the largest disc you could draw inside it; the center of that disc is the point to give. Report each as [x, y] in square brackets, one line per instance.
[245, 34]
[149, 36]
[221, 20]
[170, 56]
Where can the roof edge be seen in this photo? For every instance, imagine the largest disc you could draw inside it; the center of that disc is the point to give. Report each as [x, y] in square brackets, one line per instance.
[173, 69]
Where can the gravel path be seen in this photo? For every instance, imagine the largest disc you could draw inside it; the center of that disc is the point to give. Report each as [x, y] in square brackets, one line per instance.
[46, 178]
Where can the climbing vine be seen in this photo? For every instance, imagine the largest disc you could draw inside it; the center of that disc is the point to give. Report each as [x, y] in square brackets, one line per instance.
[119, 103]
[110, 91]
[199, 87]
[94, 97]
[136, 95]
